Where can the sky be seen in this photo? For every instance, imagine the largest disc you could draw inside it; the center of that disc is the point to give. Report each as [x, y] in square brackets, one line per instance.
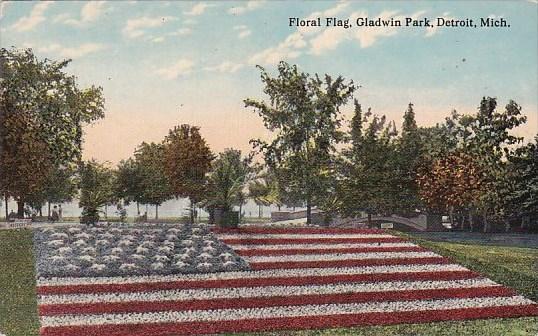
[167, 63]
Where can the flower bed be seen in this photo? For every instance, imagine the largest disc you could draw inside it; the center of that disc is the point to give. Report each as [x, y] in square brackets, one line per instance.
[81, 251]
[298, 279]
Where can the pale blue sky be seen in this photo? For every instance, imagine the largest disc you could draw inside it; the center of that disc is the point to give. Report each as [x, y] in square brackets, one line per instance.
[166, 63]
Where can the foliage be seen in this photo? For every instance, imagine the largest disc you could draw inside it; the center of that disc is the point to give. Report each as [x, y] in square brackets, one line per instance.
[304, 112]
[44, 112]
[365, 180]
[97, 189]
[228, 179]
[153, 184]
[522, 199]
[128, 181]
[452, 182]
[187, 163]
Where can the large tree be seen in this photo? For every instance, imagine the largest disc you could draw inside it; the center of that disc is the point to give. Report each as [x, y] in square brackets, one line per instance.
[304, 113]
[154, 185]
[187, 163]
[367, 181]
[49, 111]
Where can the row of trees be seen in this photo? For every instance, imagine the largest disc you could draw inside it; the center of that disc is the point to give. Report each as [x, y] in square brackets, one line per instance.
[470, 166]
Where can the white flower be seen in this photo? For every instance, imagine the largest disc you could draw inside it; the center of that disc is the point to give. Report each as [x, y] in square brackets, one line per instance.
[229, 263]
[71, 267]
[82, 235]
[127, 267]
[124, 242]
[157, 265]
[102, 242]
[187, 242]
[181, 264]
[183, 256]
[141, 249]
[59, 235]
[189, 250]
[89, 250]
[87, 258]
[204, 266]
[171, 237]
[57, 259]
[106, 235]
[55, 243]
[208, 249]
[161, 258]
[227, 256]
[169, 243]
[117, 250]
[111, 258]
[65, 250]
[167, 249]
[174, 230]
[79, 242]
[138, 256]
[147, 243]
[116, 230]
[74, 230]
[205, 256]
[98, 267]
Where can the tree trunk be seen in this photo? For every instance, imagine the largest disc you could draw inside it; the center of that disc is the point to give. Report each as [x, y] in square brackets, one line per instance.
[137, 208]
[308, 212]
[192, 212]
[20, 209]
[279, 207]
[106, 211]
[471, 223]
[156, 211]
[240, 210]
[451, 216]
[6, 198]
[369, 220]
[48, 211]
[486, 223]
[41, 211]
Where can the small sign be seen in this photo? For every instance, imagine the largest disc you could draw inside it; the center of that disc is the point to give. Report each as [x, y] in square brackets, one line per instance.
[387, 225]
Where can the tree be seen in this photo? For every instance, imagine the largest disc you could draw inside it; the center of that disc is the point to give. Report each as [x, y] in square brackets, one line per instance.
[366, 179]
[486, 137]
[227, 181]
[522, 199]
[454, 182]
[129, 182]
[154, 186]
[43, 112]
[187, 163]
[407, 159]
[304, 112]
[96, 189]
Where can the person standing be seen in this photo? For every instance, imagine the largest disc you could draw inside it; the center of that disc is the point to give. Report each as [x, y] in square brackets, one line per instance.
[54, 217]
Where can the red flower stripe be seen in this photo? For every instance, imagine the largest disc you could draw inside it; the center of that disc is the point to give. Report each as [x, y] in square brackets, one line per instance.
[272, 301]
[292, 323]
[275, 241]
[347, 263]
[255, 230]
[262, 252]
[256, 282]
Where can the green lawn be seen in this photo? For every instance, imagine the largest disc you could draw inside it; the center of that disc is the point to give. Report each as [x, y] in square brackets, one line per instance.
[514, 267]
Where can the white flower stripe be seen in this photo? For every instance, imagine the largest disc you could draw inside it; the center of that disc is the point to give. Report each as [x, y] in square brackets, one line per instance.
[342, 256]
[239, 247]
[271, 273]
[268, 291]
[281, 311]
[300, 236]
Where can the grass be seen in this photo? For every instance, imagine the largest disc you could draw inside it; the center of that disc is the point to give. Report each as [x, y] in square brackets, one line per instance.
[511, 266]
[18, 305]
